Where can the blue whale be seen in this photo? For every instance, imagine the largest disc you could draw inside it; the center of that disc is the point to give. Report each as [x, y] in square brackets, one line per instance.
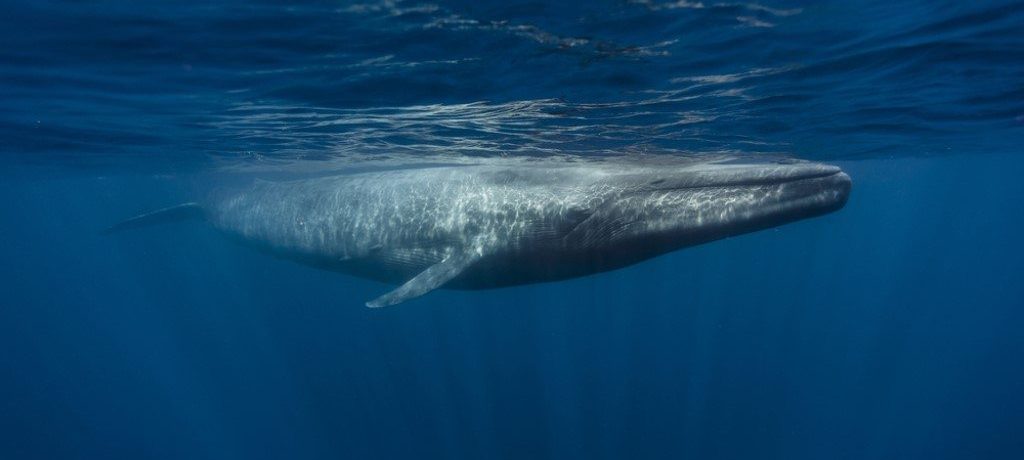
[510, 222]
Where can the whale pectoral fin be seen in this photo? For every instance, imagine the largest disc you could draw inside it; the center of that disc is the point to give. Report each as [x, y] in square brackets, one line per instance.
[432, 278]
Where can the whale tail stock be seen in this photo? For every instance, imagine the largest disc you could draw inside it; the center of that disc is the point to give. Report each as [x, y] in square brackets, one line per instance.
[181, 212]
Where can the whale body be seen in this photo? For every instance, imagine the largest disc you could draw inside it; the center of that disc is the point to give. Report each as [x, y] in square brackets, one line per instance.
[503, 223]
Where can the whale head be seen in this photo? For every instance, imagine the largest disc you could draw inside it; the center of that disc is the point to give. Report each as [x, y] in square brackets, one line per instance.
[670, 207]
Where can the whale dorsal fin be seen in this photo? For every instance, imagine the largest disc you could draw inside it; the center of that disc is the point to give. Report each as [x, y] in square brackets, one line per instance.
[184, 211]
[432, 278]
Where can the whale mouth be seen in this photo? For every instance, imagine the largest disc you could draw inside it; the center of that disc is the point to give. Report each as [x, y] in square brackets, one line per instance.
[816, 194]
[784, 184]
[761, 194]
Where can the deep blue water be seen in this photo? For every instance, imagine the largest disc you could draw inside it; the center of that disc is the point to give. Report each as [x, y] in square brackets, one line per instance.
[890, 329]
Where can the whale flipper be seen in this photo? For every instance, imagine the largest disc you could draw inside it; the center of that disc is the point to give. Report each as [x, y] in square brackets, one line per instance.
[432, 278]
[184, 211]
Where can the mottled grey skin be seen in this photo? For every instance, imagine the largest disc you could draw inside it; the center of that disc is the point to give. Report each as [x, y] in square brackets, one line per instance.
[508, 223]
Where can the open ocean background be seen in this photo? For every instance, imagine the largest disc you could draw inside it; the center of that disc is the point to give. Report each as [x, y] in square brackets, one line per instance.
[891, 329]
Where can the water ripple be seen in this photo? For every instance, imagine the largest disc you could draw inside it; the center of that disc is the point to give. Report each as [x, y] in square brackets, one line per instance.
[257, 80]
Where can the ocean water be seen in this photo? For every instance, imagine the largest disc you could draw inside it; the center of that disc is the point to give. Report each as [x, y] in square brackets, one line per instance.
[889, 329]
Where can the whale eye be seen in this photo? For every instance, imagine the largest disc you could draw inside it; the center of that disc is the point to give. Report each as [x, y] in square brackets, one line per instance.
[656, 182]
